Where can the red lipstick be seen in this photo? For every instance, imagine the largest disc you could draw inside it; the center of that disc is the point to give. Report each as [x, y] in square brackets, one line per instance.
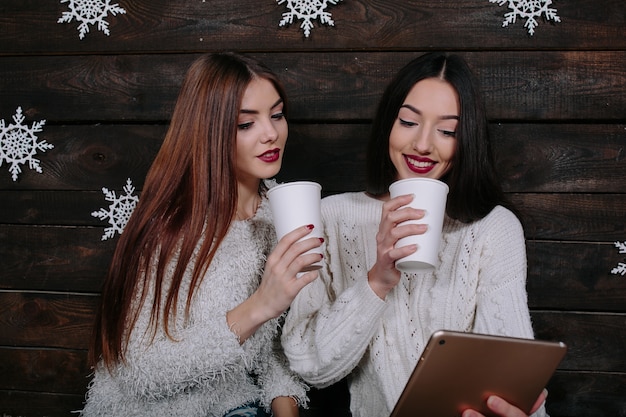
[419, 165]
[270, 156]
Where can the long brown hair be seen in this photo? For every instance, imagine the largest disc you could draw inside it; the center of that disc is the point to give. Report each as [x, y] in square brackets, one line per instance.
[189, 191]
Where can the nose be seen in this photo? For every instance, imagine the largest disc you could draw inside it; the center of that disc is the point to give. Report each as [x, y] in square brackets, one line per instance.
[422, 143]
[270, 133]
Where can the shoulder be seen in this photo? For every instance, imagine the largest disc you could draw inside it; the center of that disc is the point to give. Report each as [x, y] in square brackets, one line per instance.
[501, 224]
[501, 216]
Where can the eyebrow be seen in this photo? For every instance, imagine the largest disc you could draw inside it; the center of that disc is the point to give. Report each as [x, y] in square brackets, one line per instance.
[413, 109]
[246, 111]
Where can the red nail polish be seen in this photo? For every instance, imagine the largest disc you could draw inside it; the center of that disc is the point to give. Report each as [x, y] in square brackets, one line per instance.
[310, 226]
[322, 239]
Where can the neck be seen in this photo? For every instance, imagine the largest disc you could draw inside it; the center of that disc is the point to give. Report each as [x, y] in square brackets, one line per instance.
[248, 200]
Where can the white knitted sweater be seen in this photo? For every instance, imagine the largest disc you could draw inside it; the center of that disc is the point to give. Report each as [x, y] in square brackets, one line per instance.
[337, 326]
[206, 372]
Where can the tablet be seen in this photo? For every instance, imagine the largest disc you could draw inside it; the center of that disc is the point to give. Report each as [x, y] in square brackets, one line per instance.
[459, 370]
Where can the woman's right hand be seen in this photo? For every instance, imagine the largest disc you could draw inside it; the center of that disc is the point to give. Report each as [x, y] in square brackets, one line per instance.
[280, 284]
[282, 280]
[384, 276]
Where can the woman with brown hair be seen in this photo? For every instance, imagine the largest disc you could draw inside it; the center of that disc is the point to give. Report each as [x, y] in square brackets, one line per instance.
[189, 318]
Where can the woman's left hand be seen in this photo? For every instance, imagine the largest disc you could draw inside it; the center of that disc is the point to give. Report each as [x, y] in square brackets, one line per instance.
[504, 409]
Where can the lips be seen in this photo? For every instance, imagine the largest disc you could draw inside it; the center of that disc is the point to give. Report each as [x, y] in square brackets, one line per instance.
[419, 165]
[270, 156]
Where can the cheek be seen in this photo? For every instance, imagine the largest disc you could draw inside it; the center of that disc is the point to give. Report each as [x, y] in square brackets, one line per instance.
[395, 139]
[283, 132]
[447, 150]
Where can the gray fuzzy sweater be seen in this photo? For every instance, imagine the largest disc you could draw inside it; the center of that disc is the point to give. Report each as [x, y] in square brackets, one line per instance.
[205, 372]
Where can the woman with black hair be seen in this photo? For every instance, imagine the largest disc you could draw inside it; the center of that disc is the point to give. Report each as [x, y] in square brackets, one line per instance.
[365, 320]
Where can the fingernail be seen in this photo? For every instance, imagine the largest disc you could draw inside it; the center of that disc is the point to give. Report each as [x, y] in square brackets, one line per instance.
[321, 239]
[494, 402]
[309, 226]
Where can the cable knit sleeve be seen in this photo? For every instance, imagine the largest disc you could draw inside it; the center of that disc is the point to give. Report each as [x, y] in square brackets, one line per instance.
[502, 302]
[332, 321]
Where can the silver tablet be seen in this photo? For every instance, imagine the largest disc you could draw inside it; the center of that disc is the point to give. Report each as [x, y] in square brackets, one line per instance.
[459, 370]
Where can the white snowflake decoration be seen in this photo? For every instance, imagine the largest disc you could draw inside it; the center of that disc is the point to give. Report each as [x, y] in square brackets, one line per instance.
[529, 10]
[621, 266]
[90, 12]
[18, 144]
[119, 210]
[307, 11]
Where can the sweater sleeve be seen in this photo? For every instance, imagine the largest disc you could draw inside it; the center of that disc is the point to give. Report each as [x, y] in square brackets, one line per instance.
[277, 380]
[203, 352]
[325, 339]
[502, 304]
[332, 321]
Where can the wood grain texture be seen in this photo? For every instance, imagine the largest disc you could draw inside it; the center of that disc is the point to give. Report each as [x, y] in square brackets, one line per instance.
[89, 157]
[568, 217]
[572, 389]
[51, 371]
[38, 404]
[555, 102]
[26, 319]
[49, 258]
[561, 275]
[164, 25]
[571, 217]
[546, 158]
[574, 276]
[529, 85]
[596, 394]
[51, 320]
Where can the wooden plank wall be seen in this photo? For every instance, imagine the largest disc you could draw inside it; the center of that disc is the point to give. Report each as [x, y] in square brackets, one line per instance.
[556, 102]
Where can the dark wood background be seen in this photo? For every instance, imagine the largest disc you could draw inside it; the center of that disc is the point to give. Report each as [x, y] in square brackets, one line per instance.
[557, 107]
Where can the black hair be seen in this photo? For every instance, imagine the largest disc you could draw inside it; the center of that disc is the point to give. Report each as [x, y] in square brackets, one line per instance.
[474, 186]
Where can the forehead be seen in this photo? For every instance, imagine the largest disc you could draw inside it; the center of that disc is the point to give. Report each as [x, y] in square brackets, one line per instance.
[259, 93]
[433, 95]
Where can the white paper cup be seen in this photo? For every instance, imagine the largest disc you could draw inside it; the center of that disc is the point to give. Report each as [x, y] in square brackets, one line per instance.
[430, 196]
[296, 204]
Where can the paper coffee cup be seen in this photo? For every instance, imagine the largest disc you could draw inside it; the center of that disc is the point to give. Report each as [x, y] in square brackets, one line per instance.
[430, 196]
[296, 204]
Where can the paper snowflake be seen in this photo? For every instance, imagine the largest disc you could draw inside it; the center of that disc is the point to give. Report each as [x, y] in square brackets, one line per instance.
[119, 210]
[529, 10]
[90, 12]
[18, 144]
[621, 266]
[307, 11]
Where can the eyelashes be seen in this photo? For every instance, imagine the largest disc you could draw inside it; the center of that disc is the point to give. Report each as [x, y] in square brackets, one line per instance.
[448, 133]
[247, 125]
